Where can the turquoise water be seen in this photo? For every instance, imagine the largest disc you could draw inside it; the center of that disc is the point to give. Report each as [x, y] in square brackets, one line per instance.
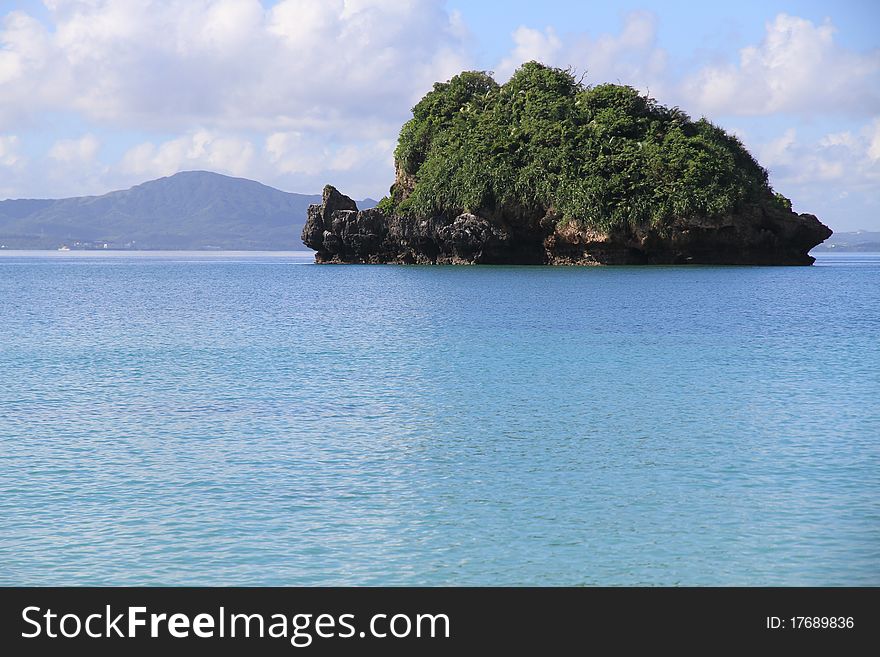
[254, 419]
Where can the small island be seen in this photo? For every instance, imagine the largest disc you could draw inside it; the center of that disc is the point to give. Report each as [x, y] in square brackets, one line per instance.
[545, 170]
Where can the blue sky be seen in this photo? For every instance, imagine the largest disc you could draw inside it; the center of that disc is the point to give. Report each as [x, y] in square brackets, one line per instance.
[103, 94]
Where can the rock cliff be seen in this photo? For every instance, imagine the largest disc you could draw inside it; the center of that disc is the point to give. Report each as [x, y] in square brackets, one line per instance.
[340, 233]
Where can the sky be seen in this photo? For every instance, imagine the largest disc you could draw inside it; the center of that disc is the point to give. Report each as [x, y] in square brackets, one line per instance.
[97, 95]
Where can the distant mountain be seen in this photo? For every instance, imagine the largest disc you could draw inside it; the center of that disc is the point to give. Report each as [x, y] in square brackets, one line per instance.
[859, 241]
[189, 210]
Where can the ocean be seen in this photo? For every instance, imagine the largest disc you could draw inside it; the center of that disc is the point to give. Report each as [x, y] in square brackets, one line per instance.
[253, 419]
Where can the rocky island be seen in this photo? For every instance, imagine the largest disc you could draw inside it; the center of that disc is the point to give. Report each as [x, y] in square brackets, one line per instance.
[545, 170]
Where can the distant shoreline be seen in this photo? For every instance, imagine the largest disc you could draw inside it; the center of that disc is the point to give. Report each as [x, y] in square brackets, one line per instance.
[276, 253]
[75, 253]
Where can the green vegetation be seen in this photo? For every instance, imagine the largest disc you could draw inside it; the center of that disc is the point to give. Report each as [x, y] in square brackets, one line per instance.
[386, 205]
[782, 201]
[604, 156]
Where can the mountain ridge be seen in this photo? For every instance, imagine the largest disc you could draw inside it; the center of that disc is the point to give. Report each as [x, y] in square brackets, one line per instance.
[187, 210]
[854, 241]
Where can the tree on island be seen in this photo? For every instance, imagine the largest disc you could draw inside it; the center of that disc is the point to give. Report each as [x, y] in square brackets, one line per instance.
[604, 155]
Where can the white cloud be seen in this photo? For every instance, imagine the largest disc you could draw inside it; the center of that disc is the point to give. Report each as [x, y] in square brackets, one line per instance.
[200, 149]
[835, 176]
[305, 156]
[358, 64]
[872, 135]
[9, 156]
[778, 151]
[290, 152]
[295, 152]
[26, 81]
[631, 57]
[12, 167]
[530, 44]
[80, 150]
[838, 139]
[830, 175]
[797, 68]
